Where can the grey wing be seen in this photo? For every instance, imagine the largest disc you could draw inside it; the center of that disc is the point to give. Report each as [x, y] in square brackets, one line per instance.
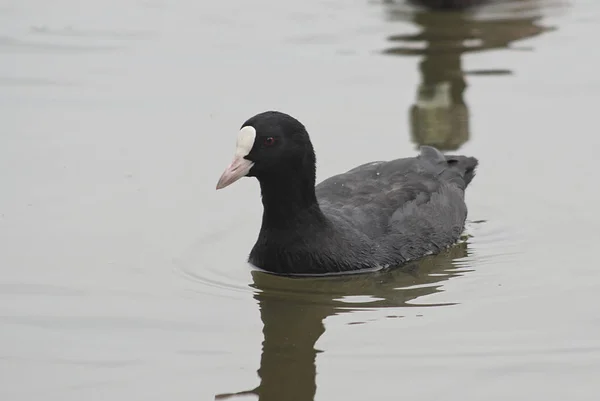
[357, 199]
[422, 228]
[413, 201]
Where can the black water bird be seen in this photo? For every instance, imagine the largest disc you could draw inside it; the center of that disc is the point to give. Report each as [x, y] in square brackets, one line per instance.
[379, 214]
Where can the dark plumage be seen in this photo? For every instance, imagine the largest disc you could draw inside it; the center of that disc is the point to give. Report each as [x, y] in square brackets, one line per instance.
[376, 215]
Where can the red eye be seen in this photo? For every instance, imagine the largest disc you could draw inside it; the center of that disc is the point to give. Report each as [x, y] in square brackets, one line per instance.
[269, 141]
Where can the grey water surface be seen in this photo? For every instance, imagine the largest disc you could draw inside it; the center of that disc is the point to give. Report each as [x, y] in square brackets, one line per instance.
[123, 273]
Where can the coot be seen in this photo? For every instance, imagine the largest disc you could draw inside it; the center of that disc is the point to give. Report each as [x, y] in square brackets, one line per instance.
[379, 214]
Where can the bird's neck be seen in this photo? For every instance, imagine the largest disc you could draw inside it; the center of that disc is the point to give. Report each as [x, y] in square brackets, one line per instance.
[289, 202]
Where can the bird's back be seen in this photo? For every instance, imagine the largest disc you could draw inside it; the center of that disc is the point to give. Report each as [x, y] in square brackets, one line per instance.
[410, 207]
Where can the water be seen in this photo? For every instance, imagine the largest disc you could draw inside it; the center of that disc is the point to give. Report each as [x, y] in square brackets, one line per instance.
[122, 270]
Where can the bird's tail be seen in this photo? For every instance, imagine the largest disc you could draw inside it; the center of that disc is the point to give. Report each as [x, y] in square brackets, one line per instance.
[465, 164]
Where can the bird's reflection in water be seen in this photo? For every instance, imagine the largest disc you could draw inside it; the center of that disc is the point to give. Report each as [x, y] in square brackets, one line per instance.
[440, 116]
[448, 4]
[293, 311]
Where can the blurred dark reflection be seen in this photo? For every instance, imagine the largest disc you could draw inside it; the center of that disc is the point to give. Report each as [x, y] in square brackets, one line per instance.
[440, 116]
[293, 312]
[448, 4]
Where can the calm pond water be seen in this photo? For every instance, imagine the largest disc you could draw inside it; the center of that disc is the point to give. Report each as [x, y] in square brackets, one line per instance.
[123, 273]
